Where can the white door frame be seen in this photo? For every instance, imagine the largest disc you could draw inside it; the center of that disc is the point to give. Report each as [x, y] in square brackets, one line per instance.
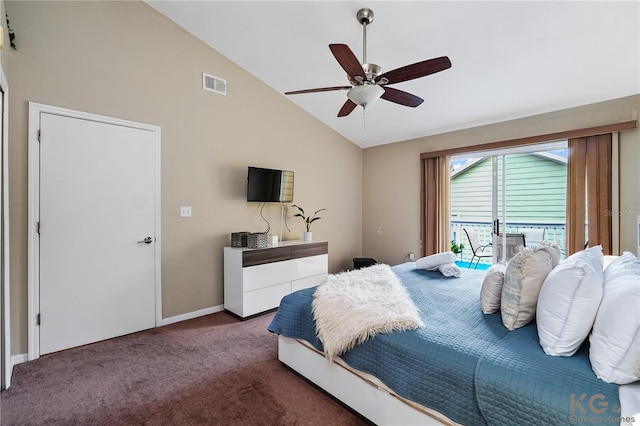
[33, 257]
[7, 366]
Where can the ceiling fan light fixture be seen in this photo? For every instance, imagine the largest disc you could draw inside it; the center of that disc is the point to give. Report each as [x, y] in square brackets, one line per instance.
[368, 83]
[365, 94]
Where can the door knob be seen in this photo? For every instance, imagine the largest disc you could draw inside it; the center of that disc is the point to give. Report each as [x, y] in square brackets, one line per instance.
[147, 240]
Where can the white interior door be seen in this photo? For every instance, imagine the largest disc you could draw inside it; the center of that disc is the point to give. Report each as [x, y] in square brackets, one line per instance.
[97, 204]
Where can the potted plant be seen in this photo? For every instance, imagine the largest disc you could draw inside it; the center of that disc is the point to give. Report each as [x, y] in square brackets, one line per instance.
[457, 248]
[308, 220]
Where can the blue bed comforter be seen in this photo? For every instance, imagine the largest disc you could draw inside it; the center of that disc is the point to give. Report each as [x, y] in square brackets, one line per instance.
[465, 364]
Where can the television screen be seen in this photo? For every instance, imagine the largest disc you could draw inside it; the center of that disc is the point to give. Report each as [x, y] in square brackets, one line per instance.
[269, 185]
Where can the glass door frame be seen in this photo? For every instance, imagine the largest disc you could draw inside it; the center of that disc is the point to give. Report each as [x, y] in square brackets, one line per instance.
[499, 190]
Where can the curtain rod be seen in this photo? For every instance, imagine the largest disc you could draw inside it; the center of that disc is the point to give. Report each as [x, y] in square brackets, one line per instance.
[567, 134]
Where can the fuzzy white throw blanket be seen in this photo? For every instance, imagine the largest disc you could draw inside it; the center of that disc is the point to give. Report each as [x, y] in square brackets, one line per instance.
[353, 306]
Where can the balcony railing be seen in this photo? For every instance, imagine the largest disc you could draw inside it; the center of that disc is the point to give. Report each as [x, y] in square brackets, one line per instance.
[555, 232]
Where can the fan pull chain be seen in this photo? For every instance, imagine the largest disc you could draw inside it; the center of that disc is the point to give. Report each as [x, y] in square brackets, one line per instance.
[364, 121]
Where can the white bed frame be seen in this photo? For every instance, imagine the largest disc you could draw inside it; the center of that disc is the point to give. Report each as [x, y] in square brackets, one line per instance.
[361, 392]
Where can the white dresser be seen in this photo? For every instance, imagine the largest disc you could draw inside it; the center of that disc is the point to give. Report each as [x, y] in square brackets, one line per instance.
[255, 280]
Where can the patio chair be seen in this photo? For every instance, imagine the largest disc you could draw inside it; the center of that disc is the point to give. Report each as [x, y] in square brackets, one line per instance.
[513, 243]
[532, 236]
[477, 249]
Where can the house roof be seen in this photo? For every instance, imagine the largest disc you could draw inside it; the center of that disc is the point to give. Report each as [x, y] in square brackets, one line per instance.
[550, 156]
[510, 59]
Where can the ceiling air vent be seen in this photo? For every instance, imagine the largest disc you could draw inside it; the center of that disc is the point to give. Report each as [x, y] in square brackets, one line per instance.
[214, 84]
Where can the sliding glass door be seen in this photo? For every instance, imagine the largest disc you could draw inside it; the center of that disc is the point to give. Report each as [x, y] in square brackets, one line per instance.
[508, 201]
[509, 198]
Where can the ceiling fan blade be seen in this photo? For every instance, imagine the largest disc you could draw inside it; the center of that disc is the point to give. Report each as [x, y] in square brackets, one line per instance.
[400, 97]
[347, 108]
[347, 60]
[319, 89]
[417, 70]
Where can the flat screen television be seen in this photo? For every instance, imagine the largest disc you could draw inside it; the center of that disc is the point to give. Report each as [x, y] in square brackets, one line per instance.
[269, 185]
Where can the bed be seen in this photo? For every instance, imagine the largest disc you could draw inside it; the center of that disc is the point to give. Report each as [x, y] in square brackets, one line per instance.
[462, 367]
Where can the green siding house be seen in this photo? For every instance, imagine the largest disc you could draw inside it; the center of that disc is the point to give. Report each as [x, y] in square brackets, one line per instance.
[536, 194]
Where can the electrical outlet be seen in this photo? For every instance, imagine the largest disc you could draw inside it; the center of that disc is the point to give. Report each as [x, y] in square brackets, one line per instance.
[185, 211]
[412, 257]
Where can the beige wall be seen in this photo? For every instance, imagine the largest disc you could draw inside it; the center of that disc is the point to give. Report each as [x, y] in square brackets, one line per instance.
[391, 174]
[124, 59]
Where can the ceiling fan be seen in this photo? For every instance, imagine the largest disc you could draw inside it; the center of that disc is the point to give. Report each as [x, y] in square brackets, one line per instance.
[368, 82]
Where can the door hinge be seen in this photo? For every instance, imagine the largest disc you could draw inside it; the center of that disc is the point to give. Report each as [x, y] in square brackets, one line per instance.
[38, 319]
[38, 227]
[39, 135]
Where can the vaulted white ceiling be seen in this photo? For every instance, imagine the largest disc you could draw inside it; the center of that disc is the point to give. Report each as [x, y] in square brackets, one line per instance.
[510, 59]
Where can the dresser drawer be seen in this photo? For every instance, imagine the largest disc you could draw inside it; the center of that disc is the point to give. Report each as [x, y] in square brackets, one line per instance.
[309, 249]
[307, 282]
[264, 299]
[309, 266]
[261, 276]
[267, 255]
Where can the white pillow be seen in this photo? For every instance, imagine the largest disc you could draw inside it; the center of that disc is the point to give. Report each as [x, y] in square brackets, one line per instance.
[491, 291]
[554, 251]
[523, 279]
[433, 261]
[608, 259]
[568, 302]
[615, 341]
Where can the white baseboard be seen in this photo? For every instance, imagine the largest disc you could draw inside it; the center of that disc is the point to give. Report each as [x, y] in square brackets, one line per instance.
[19, 359]
[191, 315]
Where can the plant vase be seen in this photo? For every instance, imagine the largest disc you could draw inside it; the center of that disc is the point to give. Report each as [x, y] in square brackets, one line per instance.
[308, 220]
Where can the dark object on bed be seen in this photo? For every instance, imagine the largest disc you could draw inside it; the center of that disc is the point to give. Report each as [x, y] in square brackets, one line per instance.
[363, 262]
[464, 364]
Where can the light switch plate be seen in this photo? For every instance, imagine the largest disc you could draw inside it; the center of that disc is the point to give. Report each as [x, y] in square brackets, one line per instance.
[185, 211]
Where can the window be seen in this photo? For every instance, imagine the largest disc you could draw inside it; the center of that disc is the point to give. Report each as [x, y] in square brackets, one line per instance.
[590, 174]
[518, 194]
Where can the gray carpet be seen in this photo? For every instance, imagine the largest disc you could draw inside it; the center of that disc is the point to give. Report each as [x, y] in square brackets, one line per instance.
[213, 370]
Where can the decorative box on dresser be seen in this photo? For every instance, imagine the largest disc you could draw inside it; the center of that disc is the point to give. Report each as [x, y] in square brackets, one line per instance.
[256, 279]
